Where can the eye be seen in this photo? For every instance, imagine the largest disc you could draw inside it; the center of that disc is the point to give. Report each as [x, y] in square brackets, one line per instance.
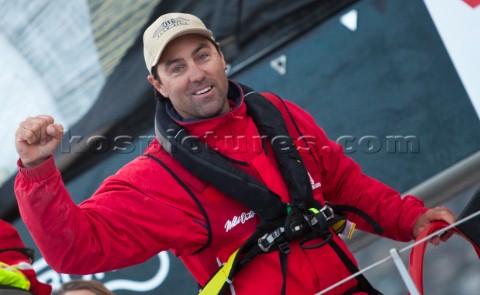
[177, 69]
[202, 56]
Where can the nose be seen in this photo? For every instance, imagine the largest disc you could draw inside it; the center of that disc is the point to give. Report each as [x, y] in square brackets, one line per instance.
[196, 73]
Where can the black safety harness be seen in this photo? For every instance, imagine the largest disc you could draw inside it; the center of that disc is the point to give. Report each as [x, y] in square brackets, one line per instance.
[305, 219]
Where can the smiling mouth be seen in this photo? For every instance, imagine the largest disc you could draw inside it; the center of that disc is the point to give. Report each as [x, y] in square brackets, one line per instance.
[202, 91]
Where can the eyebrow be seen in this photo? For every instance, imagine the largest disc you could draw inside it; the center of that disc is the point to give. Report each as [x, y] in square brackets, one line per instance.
[176, 60]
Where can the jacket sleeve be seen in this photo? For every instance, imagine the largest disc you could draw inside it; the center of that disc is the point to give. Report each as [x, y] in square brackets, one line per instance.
[344, 183]
[125, 222]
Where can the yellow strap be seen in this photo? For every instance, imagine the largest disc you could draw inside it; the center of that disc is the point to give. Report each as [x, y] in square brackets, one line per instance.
[11, 276]
[216, 283]
[339, 225]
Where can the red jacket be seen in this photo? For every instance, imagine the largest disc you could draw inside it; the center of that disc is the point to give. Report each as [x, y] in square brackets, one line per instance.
[143, 209]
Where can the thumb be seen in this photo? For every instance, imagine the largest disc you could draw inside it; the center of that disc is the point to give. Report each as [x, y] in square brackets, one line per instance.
[55, 135]
[55, 131]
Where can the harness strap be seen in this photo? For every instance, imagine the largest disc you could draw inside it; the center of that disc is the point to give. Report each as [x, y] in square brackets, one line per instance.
[362, 282]
[194, 155]
[346, 208]
[223, 277]
[283, 265]
[218, 282]
[270, 122]
[276, 240]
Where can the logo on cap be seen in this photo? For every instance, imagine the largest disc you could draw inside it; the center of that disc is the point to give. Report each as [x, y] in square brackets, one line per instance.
[168, 24]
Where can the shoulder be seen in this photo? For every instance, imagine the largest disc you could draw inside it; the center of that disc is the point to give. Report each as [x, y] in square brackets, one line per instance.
[295, 115]
[286, 106]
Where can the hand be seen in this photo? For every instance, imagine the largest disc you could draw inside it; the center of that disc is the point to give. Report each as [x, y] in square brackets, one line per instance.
[36, 139]
[437, 213]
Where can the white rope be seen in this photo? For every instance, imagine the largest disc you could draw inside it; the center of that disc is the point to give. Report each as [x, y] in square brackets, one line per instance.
[439, 232]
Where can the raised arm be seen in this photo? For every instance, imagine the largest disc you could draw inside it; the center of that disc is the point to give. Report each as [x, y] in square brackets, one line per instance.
[130, 218]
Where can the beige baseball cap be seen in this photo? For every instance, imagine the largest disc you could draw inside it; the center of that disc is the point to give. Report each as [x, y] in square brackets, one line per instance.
[166, 28]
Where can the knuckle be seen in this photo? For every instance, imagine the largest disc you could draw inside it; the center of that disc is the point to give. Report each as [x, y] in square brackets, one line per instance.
[41, 121]
[46, 118]
[29, 133]
[35, 126]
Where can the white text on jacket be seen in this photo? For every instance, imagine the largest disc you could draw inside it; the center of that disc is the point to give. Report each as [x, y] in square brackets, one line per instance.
[230, 224]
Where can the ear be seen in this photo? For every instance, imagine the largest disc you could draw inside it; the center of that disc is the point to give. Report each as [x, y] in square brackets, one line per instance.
[221, 56]
[158, 86]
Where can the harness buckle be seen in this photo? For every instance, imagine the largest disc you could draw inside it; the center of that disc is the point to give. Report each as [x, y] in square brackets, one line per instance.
[266, 242]
[326, 212]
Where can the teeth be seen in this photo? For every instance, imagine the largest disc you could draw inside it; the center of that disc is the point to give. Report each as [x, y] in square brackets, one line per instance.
[203, 90]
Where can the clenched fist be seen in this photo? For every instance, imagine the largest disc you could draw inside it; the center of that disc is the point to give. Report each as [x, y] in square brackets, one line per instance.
[36, 139]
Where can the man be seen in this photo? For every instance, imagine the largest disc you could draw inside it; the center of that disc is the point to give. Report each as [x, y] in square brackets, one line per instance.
[174, 197]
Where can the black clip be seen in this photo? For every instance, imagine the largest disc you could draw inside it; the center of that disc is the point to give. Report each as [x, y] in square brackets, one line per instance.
[283, 245]
[268, 240]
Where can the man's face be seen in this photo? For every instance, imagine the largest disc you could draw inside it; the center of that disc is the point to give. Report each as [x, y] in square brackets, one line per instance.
[192, 76]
